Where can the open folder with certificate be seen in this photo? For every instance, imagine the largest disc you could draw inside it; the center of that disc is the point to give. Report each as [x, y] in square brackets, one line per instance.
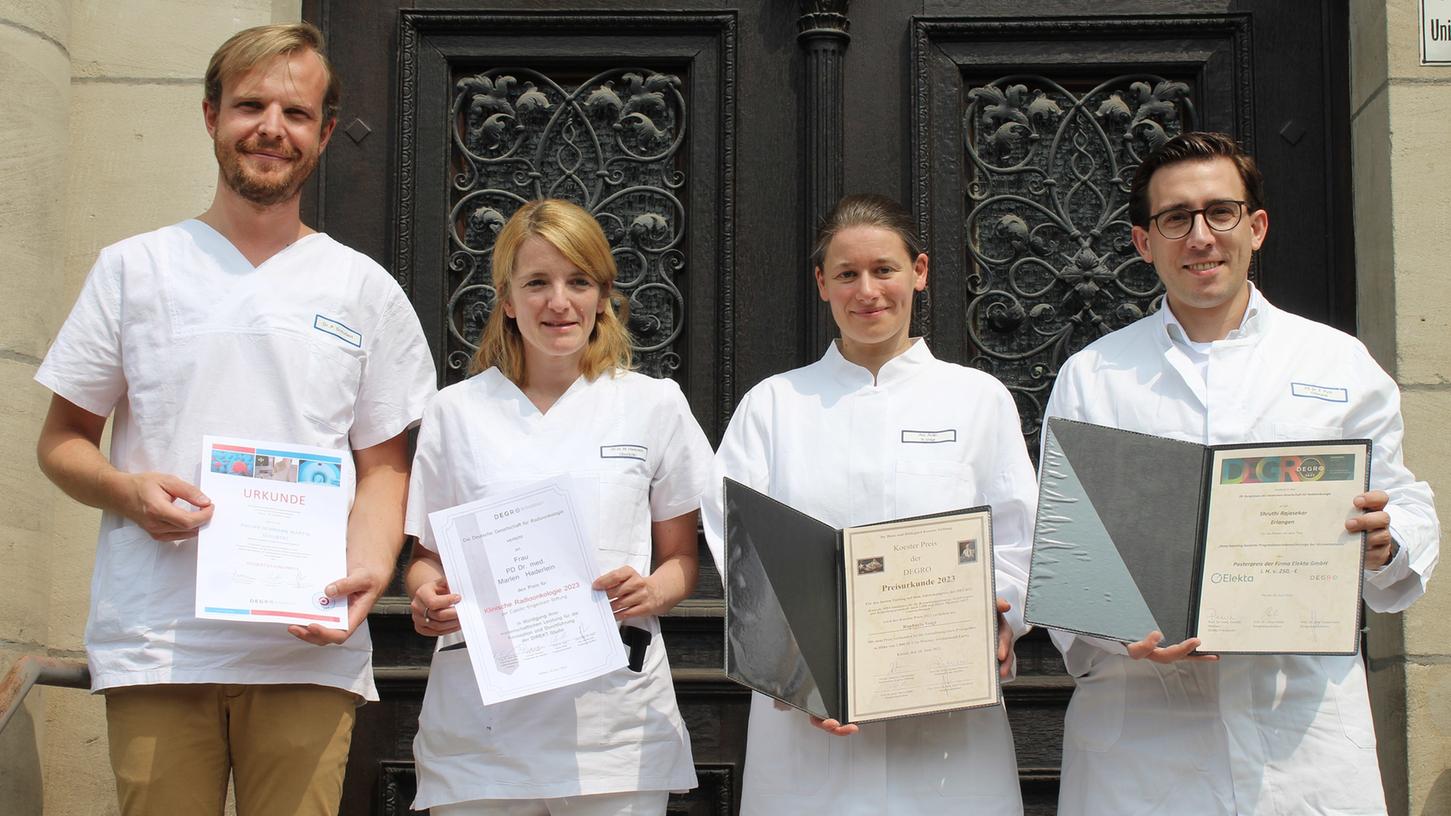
[867, 623]
[1243, 546]
[523, 564]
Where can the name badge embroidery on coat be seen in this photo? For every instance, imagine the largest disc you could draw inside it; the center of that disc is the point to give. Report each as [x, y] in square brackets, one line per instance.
[327, 325]
[1319, 392]
[623, 452]
[929, 437]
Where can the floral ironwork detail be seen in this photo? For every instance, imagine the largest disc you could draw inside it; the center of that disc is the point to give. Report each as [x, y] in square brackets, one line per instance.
[1047, 226]
[612, 144]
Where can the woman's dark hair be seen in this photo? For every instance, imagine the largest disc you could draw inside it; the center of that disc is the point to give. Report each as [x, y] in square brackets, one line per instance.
[866, 210]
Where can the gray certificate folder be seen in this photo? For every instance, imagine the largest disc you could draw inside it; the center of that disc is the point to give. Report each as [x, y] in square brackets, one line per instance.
[1119, 543]
[785, 602]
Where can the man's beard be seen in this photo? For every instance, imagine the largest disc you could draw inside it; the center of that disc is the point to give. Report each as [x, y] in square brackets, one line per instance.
[263, 189]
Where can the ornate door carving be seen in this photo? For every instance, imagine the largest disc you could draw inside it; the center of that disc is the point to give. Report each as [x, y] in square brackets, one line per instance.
[707, 137]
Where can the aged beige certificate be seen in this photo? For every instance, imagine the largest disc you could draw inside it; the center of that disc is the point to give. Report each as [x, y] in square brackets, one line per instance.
[921, 618]
[1281, 574]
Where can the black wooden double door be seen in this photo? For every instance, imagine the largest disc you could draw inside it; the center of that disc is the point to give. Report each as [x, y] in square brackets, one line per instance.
[708, 136]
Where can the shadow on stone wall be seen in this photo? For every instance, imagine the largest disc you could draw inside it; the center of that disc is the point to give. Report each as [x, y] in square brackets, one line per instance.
[21, 786]
[1438, 800]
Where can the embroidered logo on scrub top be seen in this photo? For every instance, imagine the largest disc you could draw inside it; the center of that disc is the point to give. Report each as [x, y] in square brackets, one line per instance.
[327, 325]
[1319, 392]
[623, 452]
[929, 437]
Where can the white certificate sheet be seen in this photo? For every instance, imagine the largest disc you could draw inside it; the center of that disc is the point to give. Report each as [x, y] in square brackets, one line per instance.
[278, 535]
[523, 564]
[1281, 574]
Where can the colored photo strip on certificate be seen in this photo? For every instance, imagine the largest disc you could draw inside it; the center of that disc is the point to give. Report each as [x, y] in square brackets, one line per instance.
[275, 465]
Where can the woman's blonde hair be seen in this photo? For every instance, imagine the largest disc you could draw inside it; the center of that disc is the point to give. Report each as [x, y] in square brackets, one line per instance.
[578, 237]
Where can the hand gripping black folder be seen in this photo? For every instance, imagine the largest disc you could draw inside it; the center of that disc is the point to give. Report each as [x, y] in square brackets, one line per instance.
[1119, 543]
[785, 607]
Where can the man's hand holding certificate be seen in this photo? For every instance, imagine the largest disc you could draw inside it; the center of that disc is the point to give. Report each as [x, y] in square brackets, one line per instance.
[523, 564]
[278, 535]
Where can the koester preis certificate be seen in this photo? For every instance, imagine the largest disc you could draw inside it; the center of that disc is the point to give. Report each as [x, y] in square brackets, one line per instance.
[920, 612]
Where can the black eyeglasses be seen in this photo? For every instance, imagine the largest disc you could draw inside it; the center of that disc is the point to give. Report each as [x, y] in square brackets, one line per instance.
[1220, 216]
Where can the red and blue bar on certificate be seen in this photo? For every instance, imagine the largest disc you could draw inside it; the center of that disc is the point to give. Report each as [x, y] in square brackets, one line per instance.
[275, 613]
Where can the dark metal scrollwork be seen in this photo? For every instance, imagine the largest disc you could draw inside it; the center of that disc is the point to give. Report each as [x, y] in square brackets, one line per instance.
[1047, 227]
[611, 144]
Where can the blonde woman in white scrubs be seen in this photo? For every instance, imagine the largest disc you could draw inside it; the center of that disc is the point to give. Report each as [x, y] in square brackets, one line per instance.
[879, 429]
[553, 395]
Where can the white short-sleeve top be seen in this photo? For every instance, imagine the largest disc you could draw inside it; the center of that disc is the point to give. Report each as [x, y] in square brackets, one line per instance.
[619, 732]
[181, 336]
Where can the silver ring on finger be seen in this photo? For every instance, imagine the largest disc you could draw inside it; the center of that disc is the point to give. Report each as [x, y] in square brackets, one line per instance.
[426, 619]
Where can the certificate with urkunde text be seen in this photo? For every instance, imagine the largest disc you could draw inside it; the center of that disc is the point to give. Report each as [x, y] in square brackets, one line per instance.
[523, 564]
[278, 533]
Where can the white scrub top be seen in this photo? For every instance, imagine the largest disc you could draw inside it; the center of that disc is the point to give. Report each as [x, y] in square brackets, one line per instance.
[1285, 735]
[830, 442]
[178, 333]
[619, 732]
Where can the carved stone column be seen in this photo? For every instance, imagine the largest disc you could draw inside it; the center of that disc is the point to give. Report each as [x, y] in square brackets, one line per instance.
[823, 34]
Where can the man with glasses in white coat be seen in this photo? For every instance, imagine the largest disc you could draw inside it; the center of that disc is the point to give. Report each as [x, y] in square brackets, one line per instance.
[1159, 730]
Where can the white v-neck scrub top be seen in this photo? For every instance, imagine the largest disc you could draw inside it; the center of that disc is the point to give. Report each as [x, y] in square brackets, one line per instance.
[618, 732]
[178, 333]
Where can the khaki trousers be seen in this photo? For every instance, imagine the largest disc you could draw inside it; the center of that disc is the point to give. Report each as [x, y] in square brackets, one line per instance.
[285, 746]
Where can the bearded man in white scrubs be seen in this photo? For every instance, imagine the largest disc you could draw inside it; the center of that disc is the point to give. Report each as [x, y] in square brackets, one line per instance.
[241, 322]
[1158, 730]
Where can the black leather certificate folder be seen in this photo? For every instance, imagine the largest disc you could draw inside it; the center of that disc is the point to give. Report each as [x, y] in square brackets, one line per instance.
[1240, 545]
[915, 596]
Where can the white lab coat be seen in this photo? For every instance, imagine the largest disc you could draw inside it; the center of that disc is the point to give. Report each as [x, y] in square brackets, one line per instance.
[828, 441]
[618, 732]
[1284, 734]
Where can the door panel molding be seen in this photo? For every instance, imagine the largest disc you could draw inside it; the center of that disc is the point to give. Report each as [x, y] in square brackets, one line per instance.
[1023, 171]
[694, 236]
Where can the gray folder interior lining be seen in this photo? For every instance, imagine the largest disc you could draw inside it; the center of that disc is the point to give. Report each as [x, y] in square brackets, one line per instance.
[1146, 491]
[782, 637]
[1078, 576]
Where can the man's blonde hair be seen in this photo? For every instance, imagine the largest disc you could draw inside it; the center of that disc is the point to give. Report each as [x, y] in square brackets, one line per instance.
[578, 237]
[252, 47]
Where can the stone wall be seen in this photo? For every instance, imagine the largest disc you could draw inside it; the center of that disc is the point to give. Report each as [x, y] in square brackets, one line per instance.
[1402, 171]
[101, 139]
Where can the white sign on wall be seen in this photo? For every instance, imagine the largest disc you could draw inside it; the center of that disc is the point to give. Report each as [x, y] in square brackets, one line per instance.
[1436, 32]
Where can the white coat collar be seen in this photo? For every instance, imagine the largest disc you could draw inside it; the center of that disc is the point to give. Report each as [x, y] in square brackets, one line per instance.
[897, 369]
[1251, 327]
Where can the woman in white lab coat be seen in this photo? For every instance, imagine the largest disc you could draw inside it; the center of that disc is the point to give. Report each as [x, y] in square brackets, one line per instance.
[553, 395]
[880, 429]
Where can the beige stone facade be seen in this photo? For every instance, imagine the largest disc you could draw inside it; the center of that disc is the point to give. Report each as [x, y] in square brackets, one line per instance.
[103, 139]
[1401, 146]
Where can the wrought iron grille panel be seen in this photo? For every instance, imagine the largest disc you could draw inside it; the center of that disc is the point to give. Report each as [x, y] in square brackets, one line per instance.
[1052, 265]
[611, 143]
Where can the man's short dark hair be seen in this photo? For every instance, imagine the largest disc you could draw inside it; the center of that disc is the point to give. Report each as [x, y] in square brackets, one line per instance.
[1195, 146]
